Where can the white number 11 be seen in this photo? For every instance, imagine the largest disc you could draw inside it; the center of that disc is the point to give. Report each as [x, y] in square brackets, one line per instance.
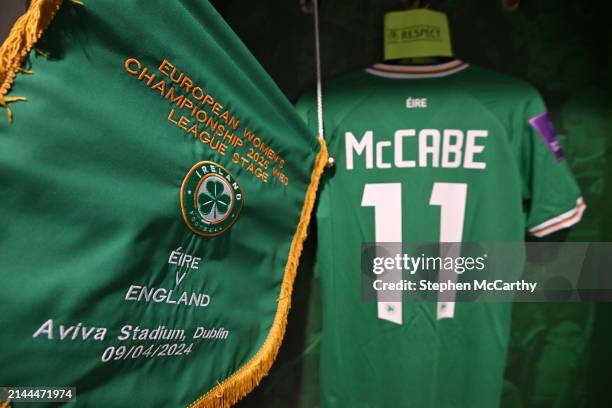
[386, 198]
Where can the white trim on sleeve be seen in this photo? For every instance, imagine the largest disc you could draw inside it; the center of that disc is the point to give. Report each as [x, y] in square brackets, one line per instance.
[565, 220]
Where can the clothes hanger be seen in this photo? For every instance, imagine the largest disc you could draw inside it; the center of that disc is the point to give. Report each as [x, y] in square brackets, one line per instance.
[307, 6]
[415, 4]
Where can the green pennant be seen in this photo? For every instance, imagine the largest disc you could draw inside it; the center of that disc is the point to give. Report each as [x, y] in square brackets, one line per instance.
[156, 189]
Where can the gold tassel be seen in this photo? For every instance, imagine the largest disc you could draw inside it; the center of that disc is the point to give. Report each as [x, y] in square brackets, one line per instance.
[5, 100]
[41, 53]
[24, 34]
[239, 384]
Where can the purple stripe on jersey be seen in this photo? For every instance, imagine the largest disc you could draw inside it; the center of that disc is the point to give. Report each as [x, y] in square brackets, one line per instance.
[543, 125]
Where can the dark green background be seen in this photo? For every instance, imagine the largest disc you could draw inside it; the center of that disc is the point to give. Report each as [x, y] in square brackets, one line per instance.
[560, 354]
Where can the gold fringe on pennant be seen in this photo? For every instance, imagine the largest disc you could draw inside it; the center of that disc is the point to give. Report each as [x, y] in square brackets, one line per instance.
[239, 384]
[24, 34]
[4, 101]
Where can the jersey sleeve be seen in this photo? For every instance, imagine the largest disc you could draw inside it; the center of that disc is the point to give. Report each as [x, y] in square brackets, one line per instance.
[553, 199]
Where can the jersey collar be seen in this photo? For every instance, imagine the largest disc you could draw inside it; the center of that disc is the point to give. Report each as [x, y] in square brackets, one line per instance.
[417, 71]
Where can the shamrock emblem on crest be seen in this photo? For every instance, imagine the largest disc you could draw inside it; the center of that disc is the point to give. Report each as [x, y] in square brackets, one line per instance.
[214, 200]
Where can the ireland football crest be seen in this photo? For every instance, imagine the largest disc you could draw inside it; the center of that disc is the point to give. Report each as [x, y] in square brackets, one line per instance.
[211, 199]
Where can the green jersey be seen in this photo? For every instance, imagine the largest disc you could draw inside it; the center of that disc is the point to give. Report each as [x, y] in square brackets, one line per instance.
[441, 153]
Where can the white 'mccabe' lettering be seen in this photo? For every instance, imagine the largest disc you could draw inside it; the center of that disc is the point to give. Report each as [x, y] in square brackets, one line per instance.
[351, 144]
[447, 148]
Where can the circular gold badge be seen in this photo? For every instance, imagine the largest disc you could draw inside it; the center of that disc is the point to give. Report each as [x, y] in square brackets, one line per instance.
[211, 199]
